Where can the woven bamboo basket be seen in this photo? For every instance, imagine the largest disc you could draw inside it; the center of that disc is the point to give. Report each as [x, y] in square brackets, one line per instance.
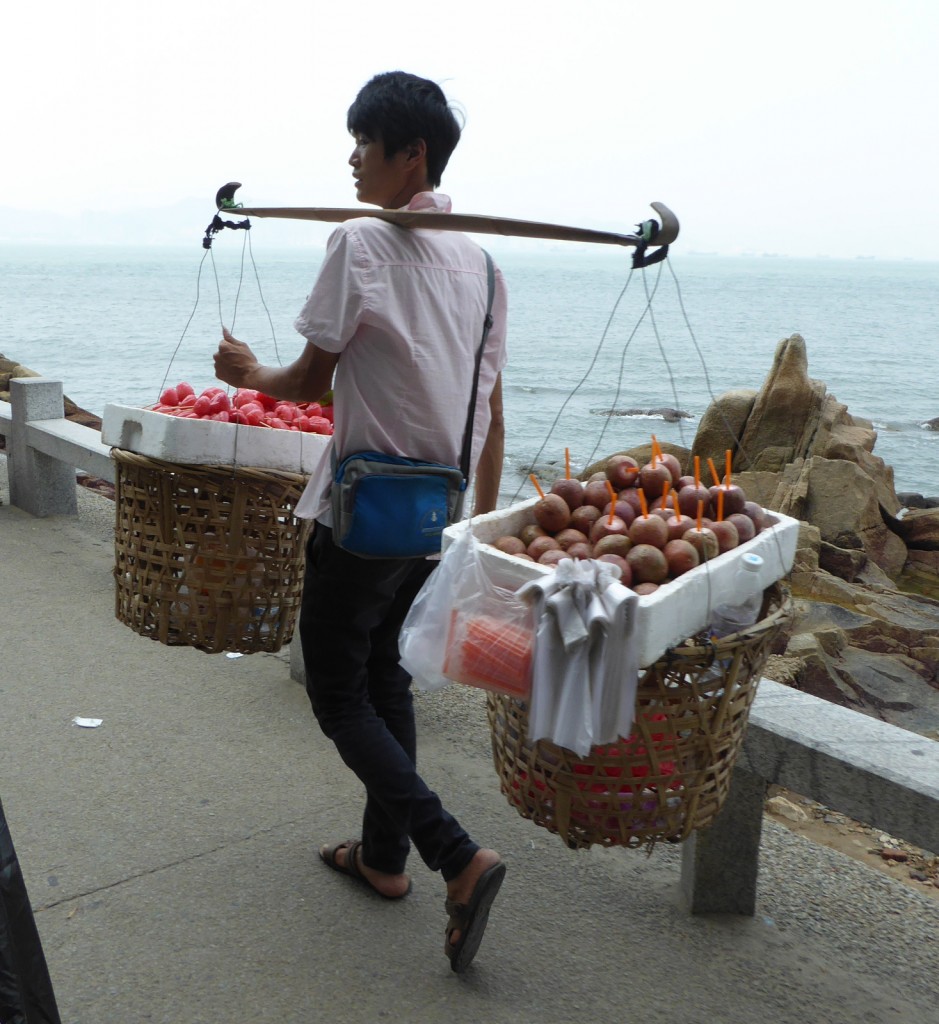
[209, 557]
[671, 776]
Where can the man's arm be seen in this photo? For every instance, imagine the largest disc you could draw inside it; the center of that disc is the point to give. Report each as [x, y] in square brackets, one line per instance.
[306, 379]
[489, 469]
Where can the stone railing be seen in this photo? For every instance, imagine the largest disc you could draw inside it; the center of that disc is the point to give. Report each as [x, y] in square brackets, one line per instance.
[44, 449]
[872, 771]
[869, 770]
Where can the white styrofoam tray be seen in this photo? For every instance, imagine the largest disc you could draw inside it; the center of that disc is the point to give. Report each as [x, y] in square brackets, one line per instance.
[674, 612]
[210, 443]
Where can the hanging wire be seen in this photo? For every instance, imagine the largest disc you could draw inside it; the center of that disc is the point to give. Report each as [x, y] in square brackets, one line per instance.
[694, 340]
[188, 322]
[218, 292]
[671, 375]
[710, 391]
[241, 277]
[218, 289]
[257, 278]
[707, 380]
[580, 383]
[622, 362]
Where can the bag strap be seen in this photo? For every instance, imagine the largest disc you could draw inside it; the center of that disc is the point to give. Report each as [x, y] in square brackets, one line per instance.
[471, 413]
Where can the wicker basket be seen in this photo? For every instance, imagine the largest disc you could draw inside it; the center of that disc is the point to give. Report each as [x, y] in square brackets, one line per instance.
[207, 556]
[671, 776]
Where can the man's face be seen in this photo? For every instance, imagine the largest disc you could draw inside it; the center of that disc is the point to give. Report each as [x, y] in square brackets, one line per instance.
[379, 180]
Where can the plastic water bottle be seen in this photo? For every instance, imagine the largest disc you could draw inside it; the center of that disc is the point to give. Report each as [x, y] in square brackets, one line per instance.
[744, 610]
[734, 616]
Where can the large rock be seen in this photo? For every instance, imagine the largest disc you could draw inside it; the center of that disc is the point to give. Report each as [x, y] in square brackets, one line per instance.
[875, 651]
[858, 640]
[722, 425]
[9, 368]
[837, 497]
[918, 528]
[785, 415]
[792, 417]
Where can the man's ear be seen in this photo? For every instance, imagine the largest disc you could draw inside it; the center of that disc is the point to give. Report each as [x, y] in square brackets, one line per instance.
[416, 151]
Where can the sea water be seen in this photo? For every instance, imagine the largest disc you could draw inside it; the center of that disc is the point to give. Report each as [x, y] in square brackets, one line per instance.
[594, 349]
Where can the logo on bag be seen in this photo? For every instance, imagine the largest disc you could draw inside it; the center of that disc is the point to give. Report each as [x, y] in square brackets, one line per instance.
[434, 521]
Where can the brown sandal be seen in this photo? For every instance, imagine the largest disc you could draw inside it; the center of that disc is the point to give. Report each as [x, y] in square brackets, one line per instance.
[351, 866]
[471, 918]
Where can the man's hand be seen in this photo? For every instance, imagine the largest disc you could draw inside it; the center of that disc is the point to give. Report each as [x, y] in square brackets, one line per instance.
[306, 379]
[235, 363]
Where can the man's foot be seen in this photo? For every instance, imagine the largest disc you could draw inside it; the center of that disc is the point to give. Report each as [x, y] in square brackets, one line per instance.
[346, 858]
[469, 898]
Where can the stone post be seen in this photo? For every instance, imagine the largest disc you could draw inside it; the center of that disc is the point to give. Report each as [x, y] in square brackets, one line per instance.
[719, 864]
[39, 484]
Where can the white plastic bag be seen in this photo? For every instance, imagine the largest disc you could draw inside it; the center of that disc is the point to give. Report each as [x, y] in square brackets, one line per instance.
[463, 628]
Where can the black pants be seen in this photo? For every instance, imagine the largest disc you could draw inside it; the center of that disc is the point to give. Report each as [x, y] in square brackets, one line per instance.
[351, 615]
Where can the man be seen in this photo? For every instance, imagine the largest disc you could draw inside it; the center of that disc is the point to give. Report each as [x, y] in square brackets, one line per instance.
[397, 316]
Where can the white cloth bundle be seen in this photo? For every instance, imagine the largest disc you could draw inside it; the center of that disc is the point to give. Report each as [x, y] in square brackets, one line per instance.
[585, 667]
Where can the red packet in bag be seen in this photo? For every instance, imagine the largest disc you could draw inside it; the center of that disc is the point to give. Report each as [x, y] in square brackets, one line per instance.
[490, 653]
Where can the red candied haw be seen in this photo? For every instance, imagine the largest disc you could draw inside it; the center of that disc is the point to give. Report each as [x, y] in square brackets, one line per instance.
[220, 403]
[320, 425]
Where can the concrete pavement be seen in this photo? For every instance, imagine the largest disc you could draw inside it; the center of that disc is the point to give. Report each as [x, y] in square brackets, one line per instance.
[170, 854]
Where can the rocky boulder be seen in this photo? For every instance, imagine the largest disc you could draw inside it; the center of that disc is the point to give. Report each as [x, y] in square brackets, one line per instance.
[791, 418]
[917, 528]
[866, 573]
[722, 424]
[9, 368]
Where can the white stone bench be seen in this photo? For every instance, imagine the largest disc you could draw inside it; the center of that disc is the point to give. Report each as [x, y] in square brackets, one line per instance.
[44, 448]
[869, 770]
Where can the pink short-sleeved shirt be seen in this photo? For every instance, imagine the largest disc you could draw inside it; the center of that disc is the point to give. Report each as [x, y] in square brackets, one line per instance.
[404, 308]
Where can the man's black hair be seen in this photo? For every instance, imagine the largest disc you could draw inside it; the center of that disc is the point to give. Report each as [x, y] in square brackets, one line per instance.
[398, 108]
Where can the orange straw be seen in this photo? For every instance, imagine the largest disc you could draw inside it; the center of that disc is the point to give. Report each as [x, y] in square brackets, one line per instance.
[642, 504]
[727, 462]
[697, 471]
[656, 447]
[609, 487]
[700, 511]
[567, 463]
[713, 468]
[531, 476]
[720, 504]
[666, 487]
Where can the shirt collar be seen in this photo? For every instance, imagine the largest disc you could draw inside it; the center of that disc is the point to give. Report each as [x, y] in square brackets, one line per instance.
[436, 201]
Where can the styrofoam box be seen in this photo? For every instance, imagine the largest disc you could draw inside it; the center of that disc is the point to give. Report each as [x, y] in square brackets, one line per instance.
[210, 443]
[677, 610]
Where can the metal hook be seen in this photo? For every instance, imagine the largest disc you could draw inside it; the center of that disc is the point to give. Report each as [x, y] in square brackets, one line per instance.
[224, 200]
[652, 233]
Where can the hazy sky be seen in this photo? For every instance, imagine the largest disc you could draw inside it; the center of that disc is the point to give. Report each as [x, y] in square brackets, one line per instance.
[795, 127]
